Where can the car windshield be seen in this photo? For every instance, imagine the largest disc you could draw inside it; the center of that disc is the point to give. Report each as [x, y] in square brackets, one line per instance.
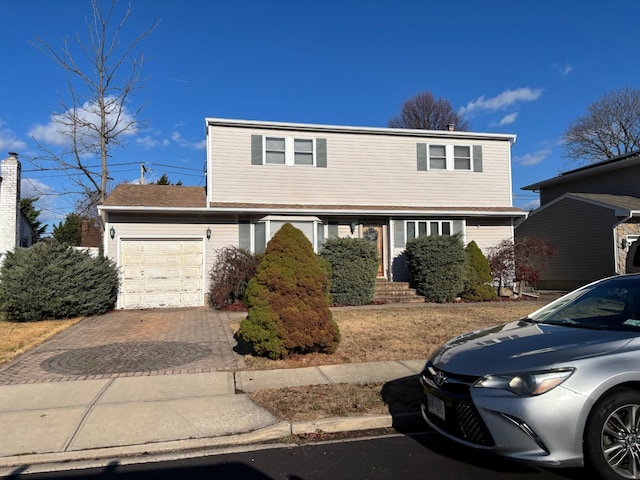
[613, 304]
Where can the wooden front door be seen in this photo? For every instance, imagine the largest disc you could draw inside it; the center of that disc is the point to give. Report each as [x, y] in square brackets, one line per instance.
[374, 233]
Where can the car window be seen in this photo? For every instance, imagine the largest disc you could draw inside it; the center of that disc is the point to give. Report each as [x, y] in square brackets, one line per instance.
[613, 306]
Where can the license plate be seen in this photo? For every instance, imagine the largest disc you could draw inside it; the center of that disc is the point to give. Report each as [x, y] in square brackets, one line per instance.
[436, 407]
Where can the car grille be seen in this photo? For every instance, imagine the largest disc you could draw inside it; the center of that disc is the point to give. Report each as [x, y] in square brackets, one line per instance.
[462, 419]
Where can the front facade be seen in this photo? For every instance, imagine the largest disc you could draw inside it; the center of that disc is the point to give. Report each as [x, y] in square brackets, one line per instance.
[386, 185]
[591, 215]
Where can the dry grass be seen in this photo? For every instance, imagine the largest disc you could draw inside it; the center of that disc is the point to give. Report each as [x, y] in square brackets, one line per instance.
[16, 338]
[378, 334]
[401, 332]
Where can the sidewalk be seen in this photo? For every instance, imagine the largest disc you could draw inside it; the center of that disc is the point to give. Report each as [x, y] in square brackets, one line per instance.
[77, 424]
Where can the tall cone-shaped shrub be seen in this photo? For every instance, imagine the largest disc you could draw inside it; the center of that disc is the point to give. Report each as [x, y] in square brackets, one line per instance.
[288, 308]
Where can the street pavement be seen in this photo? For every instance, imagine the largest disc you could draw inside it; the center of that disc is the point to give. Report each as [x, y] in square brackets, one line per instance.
[154, 384]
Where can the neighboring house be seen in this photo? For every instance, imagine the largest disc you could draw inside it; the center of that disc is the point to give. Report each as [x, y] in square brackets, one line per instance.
[591, 215]
[386, 185]
[15, 229]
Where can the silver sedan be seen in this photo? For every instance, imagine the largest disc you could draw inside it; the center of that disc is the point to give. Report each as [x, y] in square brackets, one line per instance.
[558, 388]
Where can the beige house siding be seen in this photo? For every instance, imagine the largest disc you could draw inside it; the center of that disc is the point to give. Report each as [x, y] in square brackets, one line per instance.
[362, 169]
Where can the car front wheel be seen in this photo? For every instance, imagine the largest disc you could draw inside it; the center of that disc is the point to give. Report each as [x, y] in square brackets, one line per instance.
[612, 437]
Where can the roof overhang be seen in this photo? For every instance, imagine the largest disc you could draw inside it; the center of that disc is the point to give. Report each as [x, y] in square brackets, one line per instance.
[320, 128]
[325, 210]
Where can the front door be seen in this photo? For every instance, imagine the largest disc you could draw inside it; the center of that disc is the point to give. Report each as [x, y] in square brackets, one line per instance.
[374, 233]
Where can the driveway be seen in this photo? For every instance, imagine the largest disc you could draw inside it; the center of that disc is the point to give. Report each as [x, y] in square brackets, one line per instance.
[125, 343]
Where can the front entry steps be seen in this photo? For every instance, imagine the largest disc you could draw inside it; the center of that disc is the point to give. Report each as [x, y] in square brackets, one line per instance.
[395, 292]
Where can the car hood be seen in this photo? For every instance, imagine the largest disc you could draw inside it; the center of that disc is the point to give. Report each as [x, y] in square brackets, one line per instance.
[524, 346]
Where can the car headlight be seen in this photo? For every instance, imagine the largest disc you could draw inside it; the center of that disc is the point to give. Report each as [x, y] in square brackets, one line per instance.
[526, 384]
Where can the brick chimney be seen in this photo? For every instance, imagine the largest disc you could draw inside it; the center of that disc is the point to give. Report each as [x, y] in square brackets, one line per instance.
[9, 202]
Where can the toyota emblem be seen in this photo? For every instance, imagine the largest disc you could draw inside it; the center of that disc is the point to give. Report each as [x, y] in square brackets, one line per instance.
[440, 379]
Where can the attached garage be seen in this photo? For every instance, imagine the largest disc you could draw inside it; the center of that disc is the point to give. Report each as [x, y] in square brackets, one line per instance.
[161, 273]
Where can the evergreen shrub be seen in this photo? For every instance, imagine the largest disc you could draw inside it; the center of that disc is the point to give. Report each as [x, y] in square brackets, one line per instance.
[287, 302]
[477, 286]
[354, 266]
[51, 280]
[230, 274]
[437, 266]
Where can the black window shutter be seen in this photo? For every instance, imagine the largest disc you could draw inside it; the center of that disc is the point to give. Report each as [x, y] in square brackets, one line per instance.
[321, 152]
[256, 149]
[477, 158]
[422, 156]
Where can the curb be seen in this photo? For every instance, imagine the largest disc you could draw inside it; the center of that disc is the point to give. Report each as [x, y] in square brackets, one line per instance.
[193, 448]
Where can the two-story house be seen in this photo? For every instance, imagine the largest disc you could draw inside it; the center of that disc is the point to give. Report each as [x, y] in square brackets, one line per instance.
[591, 215]
[386, 185]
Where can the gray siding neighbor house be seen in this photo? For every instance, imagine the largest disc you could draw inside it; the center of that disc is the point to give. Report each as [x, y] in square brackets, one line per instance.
[386, 185]
[591, 215]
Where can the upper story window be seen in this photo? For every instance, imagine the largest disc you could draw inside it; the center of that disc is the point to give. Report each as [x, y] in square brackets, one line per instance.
[268, 150]
[449, 157]
[274, 151]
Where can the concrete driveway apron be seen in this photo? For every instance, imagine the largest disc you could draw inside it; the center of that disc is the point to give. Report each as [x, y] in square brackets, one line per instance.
[125, 343]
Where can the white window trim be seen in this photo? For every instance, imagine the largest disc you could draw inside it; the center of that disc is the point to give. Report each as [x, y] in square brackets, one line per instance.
[428, 225]
[449, 158]
[289, 151]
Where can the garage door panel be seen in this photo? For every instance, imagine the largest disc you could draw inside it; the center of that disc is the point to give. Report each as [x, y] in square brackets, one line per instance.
[161, 273]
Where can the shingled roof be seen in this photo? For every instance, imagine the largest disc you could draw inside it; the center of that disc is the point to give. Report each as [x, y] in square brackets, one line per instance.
[129, 195]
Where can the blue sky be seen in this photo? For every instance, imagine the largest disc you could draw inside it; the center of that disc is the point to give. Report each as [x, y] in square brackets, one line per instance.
[522, 67]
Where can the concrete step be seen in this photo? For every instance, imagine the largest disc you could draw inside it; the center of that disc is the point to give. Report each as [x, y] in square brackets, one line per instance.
[395, 292]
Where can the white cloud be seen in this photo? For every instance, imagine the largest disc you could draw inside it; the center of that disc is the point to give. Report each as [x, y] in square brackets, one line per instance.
[147, 142]
[563, 68]
[57, 133]
[508, 119]
[533, 158]
[504, 100]
[9, 142]
[532, 205]
[177, 138]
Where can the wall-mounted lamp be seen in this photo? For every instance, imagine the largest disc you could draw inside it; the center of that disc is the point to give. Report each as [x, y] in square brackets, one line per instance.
[353, 226]
[208, 234]
[112, 233]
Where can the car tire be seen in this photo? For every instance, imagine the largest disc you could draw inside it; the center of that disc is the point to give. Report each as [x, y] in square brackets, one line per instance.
[612, 436]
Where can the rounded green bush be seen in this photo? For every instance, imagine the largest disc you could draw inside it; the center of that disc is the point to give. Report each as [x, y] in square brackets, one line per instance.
[288, 308]
[354, 266]
[437, 266]
[51, 280]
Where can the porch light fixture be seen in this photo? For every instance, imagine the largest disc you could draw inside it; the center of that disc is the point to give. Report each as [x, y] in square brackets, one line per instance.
[208, 234]
[353, 226]
[112, 232]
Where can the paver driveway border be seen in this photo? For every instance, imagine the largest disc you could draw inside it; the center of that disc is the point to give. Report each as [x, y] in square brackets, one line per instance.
[127, 343]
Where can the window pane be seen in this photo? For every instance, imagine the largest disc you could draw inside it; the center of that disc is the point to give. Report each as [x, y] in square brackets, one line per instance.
[462, 158]
[303, 145]
[260, 240]
[411, 230]
[275, 144]
[434, 228]
[422, 228]
[303, 158]
[437, 151]
[446, 228]
[438, 164]
[275, 157]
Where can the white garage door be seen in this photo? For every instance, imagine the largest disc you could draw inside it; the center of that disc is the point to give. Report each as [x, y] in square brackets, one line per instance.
[161, 273]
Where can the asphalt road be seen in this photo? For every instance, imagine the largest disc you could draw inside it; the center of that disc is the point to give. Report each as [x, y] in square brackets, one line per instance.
[396, 456]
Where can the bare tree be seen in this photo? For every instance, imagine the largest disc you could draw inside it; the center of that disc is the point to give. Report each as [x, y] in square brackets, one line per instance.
[610, 128]
[425, 112]
[95, 116]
